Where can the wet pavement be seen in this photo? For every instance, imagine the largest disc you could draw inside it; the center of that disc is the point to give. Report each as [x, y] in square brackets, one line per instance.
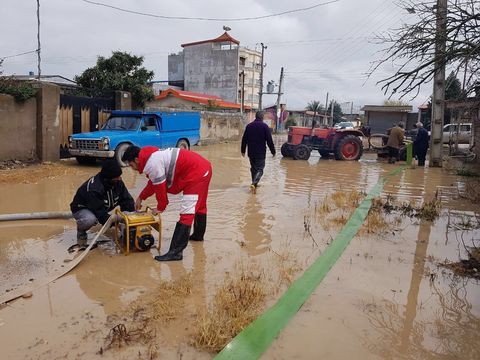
[385, 298]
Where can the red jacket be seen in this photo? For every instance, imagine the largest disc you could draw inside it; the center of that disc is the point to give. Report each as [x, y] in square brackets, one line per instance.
[170, 171]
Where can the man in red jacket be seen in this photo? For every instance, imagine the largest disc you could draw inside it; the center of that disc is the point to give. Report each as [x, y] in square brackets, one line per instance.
[173, 171]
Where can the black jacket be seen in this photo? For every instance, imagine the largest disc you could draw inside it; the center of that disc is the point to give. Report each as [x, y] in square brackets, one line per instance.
[420, 144]
[256, 134]
[99, 197]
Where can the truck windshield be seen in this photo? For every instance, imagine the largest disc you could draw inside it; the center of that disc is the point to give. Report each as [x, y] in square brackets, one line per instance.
[121, 123]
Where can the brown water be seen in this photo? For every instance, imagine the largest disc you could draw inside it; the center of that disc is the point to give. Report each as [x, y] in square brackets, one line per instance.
[378, 301]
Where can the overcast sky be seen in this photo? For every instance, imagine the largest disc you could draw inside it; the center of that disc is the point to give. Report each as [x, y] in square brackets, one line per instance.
[326, 49]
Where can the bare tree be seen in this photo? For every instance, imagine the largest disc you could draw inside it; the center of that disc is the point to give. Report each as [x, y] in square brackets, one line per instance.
[411, 48]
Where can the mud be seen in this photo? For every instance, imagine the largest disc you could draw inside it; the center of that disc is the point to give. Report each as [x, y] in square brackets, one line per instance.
[385, 298]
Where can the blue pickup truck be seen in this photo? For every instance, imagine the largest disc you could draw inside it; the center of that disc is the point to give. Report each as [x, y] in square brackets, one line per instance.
[125, 128]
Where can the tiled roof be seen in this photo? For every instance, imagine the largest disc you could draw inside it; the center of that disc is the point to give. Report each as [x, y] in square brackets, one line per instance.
[225, 37]
[204, 99]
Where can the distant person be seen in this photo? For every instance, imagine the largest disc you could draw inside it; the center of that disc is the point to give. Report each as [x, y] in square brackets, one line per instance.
[97, 196]
[420, 144]
[174, 171]
[256, 136]
[395, 141]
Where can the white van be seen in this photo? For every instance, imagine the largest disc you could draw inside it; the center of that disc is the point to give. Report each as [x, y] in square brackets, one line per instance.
[450, 132]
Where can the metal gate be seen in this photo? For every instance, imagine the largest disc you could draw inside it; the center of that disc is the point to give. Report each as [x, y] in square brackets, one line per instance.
[81, 114]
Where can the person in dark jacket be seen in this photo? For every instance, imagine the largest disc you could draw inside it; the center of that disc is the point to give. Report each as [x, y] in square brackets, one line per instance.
[420, 144]
[256, 135]
[97, 196]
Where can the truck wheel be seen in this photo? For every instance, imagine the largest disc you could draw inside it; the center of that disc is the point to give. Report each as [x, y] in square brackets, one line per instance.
[349, 148]
[301, 152]
[286, 150]
[183, 144]
[86, 160]
[119, 151]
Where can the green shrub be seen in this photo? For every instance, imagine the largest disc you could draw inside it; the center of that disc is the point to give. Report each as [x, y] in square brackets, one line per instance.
[290, 122]
[20, 90]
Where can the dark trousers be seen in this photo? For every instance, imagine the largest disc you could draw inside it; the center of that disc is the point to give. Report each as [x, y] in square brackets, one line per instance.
[421, 155]
[256, 169]
[392, 154]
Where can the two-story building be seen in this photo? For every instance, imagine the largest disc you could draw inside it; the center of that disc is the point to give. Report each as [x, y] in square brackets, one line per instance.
[218, 67]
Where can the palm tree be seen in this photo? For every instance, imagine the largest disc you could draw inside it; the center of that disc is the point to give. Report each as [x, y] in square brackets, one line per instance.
[314, 105]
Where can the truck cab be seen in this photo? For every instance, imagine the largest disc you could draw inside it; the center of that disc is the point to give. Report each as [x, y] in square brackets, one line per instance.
[125, 128]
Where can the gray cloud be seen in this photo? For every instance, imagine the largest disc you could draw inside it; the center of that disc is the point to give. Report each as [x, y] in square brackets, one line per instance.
[327, 49]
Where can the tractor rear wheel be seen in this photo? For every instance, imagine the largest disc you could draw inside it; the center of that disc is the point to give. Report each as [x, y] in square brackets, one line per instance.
[301, 152]
[349, 148]
[286, 150]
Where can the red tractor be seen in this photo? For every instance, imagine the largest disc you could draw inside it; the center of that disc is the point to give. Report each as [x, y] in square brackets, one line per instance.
[344, 144]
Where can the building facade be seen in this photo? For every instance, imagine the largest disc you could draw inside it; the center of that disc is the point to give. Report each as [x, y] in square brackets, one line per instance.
[217, 67]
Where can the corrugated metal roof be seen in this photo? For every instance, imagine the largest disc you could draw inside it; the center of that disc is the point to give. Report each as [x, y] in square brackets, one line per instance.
[386, 108]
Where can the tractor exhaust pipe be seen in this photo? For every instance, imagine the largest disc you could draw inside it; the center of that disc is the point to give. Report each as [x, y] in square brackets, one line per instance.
[37, 215]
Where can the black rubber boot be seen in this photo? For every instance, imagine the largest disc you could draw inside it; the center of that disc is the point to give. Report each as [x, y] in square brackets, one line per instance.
[178, 244]
[199, 227]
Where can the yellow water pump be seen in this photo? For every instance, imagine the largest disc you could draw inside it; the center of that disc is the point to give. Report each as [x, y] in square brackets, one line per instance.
[136, 231]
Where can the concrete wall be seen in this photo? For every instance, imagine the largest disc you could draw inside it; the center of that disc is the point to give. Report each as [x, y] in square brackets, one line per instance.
[48, 122]
[212, 71]
[218, 127]
[175, 67]
[31, 129]
[123, 100]
[18, 127]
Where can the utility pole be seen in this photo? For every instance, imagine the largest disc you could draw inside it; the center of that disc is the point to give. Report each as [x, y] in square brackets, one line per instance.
[326, 110]
[331, 113]
[279, 112]
[242, 106]
[438, 103]
[261, 79]
[38, 39]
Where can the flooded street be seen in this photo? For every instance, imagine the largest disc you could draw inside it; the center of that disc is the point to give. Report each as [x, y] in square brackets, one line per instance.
[385, 298]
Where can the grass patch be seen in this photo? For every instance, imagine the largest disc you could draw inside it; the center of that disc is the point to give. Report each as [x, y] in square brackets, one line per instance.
[237, 302]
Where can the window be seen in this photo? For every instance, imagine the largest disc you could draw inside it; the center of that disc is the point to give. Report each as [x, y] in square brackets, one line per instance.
[465, 128]
[149, 123]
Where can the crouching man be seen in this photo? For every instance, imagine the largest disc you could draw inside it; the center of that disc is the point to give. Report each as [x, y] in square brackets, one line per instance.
[173, 171]
[97, 196]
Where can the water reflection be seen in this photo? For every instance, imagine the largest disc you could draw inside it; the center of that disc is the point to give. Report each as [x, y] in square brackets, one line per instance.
[254, 227]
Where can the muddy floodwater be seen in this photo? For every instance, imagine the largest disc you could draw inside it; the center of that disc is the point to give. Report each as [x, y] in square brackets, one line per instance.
[385, 298]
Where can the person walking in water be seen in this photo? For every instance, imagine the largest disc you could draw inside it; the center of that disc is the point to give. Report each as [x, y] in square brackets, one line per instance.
[256, 137]
[420, 144]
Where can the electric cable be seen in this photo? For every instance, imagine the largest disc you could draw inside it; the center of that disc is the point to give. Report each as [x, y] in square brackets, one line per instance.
[210, 19]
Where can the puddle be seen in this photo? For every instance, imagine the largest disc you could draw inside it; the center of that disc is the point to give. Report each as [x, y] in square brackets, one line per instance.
[379, 301]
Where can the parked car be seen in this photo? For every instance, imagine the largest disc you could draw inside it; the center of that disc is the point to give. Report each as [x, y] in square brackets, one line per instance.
[344, 125]
[125, 128]
[451, 131]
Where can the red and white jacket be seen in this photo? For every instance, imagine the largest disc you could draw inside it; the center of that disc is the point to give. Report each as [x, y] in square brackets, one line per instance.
[170, 171]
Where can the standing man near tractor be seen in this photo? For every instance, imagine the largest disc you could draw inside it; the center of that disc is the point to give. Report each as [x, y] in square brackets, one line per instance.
[256, 135]
[97, 196]
[173, 171]
[420, 144]
[395, 141]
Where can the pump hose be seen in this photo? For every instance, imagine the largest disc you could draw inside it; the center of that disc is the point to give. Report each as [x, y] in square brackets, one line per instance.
[37, 215]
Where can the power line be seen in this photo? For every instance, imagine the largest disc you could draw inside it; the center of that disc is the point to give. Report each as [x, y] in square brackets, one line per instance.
[24, 53]
[210, 19]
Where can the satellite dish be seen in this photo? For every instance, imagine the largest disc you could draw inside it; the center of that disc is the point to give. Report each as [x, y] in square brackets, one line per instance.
[226, 28]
